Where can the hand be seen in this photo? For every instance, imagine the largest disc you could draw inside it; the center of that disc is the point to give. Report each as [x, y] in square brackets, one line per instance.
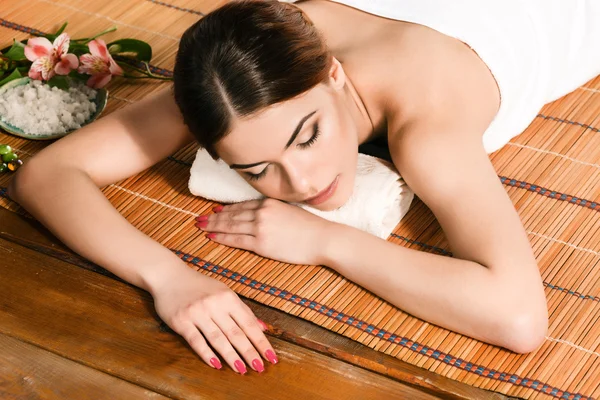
[270, 228]
[200, 308]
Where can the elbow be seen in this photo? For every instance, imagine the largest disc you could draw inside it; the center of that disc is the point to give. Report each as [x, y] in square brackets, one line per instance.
[21, 180]
[526, 330]
[11, 190]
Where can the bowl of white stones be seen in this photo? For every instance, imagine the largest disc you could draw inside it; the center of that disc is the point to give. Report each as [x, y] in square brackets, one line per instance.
[35, 110]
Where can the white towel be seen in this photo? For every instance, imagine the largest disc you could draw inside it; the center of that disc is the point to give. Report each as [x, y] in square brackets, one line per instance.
[379, 201]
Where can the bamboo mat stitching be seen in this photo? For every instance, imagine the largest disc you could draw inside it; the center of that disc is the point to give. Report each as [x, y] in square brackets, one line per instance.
[566, 121]
[590, 89]
[188, 10]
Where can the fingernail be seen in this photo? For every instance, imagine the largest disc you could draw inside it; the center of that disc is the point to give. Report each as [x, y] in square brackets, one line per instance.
[258, 366]
[262, 325]
[211, 235]
[271, 356]
[202, 224]
[202, 218]
[215, 363]
[218, 209]
[240, 367]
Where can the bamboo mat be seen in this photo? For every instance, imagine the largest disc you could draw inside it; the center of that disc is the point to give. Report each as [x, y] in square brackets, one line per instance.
[551, 173]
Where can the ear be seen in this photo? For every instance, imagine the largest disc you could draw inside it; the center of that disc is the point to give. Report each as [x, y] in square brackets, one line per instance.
[337, 76]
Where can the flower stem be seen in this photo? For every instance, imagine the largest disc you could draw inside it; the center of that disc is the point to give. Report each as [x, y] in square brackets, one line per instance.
[147, 73]
[146, 77]
[87, 40]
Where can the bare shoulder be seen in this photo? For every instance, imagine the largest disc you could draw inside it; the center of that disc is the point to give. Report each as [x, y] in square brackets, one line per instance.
[439, 78]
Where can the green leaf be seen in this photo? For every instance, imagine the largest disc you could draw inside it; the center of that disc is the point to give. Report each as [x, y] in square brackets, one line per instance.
[59, 81]
[77, 75]
[61, 30]
[16, 52]
[79, 49]
[141, 49]
[7, 48]
[14, 75]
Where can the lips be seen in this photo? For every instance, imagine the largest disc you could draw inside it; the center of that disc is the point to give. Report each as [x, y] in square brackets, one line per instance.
[325, 194]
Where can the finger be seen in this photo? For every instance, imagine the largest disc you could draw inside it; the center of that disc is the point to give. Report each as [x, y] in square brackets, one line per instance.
[227, 226]
[214, 334]
[192, 335]
[244, 205]
[237, 337]
[254, 331]
[246, 242]
[236, 215]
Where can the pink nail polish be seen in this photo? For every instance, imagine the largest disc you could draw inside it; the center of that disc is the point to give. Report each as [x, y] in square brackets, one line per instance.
[202, 224]
[215, 363]
[202, 218]
[258, 366]
[218, 209]
[271, 356]
[211, 235]
[240, 367]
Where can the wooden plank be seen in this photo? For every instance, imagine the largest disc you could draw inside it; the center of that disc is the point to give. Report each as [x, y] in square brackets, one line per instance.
[28, 372]
[112, 327]
[31, 234]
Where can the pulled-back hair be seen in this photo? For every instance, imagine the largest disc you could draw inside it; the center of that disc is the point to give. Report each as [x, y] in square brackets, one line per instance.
[241, 58]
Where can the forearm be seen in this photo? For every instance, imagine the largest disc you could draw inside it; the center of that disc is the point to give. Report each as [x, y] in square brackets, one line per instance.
[70, 205]
[457, 294]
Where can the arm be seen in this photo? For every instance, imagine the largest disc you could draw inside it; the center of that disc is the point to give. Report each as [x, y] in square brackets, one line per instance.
[59, 187]
[491, 289]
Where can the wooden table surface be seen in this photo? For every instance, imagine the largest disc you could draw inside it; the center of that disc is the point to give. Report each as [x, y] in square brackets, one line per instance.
[72, 330]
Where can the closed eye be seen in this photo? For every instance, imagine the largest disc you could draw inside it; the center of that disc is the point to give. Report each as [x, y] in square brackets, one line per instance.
[313, 139]
[255, 177]
[307, 144]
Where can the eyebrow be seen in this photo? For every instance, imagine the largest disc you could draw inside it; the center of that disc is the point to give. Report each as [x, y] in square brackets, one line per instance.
[288, 144]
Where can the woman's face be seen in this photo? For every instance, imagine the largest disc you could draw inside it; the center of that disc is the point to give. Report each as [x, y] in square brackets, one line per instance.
[298, 149]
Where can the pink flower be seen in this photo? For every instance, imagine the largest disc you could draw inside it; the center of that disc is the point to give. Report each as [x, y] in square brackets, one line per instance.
[50, 58]
[100, 65]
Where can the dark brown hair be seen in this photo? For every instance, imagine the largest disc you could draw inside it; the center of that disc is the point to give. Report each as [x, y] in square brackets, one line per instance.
[241, 58]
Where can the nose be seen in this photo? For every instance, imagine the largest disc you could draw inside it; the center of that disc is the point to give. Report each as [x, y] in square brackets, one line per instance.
[298, 179]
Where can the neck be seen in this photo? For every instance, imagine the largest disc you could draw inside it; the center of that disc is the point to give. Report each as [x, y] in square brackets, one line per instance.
[360, 114]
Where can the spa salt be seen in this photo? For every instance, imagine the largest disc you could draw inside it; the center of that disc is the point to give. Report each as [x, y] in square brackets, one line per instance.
[39, 109]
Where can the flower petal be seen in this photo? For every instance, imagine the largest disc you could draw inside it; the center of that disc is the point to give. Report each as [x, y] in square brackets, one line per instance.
[45, 66]
[37, 47]
[35, 74]
[61, 44]
[98, 48]
[99, 80]
[67, 63]
[92, 65]
[115, 69]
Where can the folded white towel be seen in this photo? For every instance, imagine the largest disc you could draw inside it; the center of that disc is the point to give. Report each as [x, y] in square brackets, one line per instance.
[379, 201]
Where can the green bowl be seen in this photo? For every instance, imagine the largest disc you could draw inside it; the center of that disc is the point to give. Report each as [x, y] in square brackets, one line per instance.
[100, 100]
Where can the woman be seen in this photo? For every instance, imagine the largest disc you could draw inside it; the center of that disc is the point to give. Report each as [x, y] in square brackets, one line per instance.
[285, 94]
